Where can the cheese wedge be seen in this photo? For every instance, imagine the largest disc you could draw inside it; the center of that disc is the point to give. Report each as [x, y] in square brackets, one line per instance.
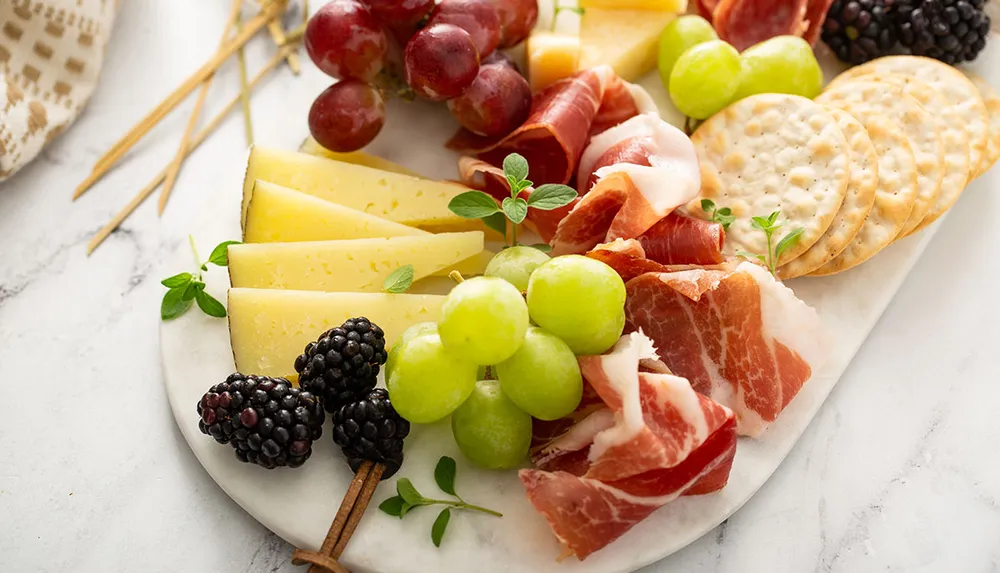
[268, 329]
[470, 267]
[277, 214]
[676, 6]
[312, 147]
[394, 196]
[551, 57]
[626, 40]
[359, 265]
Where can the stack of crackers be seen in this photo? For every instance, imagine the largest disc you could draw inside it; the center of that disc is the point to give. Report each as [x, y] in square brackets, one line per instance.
[882, 153]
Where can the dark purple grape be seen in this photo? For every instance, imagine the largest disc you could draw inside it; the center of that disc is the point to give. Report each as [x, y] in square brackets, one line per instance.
[477, 17]
[345, 40]
[347, 115]
[496, 103]
[517, 19]
[440, 61]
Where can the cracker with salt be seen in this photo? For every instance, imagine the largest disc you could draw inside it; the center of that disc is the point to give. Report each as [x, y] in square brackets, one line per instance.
[992, 101]
[881, 99]
[774, 152]
[960, 92]
[857, 203]
[894, 196]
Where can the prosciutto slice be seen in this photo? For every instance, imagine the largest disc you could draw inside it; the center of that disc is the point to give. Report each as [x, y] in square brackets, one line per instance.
[744, 23]
[649, 440]
[738, 335]
[815, 17]
[632, 176]
[681, 240]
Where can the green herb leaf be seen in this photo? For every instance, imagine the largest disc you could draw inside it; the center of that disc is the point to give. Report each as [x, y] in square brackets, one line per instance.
[178, 280]
[725, 212]
[209, 305]
[174, 304]
[192, 289]
[473, 205]
[707, 205]
[787, 241]
[760, 223]
[440, 525]
[754, 256]
[724, 220]
[515, 166]
[399, 280]
[406, 509]
[497, 222]
[515, 209]
[392, 506]
[548, 197]
[542, 247]
[405, 489]
[444, 474]
[773, 217]
[220, 254]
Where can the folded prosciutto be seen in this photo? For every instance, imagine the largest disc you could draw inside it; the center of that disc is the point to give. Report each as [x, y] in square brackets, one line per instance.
[644, 437]
[736, 333]
[631, 177]
[744, 23]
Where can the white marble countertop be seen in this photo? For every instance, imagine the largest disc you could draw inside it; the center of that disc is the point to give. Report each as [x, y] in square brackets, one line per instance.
[898, 472]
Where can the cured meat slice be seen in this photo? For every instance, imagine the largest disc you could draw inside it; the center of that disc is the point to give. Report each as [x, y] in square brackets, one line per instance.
[641, 171]
[627, 258]
[738, 335]
[681, 240]
[816, 13]
[706, 8]
[744, 23]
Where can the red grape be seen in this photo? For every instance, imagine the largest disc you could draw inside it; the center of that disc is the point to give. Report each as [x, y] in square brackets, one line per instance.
[345, 40]
[440, 61]
[347, 115]
[477, 17]
[495, 104]
[517, 19]
[400, 13]
[499, 58]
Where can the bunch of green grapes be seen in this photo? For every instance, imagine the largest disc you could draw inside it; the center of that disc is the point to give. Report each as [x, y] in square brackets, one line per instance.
[528, 319]
[705, 74]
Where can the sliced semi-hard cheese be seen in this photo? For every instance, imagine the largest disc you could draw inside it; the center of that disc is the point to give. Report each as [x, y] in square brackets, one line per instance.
[359, 265]
[277, 214]
[268, 329]
[401, 198]
[626, 40]
[551, 57]
[675, 6]
[312, 147]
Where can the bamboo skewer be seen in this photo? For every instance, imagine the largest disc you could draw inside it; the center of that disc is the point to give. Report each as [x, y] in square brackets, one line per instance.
[258, 22]
[245, 94]
[175, 165]
[198, 139]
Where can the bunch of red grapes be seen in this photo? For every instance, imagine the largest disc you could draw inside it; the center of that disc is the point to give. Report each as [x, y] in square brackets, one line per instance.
[446, 51]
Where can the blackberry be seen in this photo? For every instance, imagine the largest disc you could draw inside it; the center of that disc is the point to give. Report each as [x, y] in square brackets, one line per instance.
[266, 420]
[341, 366]
[860, 30]
[953, 31]
[370, 429]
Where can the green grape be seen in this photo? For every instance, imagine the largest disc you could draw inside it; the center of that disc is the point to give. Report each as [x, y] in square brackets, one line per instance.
[418, 329]
[783, 64]
[705, 79]
[491, 430]
[515, 265]
[679, 36]
[543, 376]
[580, 300]
[425, 381]
[483, 320]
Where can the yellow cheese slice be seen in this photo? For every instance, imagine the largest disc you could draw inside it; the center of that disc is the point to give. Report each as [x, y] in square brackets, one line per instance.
[277, 214]
[401, 198]
[551, 57]
[676, 6]
[359, 265]
[470, 267]
[626, 40]
[312, 147]
[268, 329]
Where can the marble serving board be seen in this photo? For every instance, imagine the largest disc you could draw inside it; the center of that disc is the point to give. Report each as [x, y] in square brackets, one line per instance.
[299, 504]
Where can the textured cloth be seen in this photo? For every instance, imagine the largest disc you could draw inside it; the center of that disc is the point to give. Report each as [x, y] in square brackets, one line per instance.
[50, 59]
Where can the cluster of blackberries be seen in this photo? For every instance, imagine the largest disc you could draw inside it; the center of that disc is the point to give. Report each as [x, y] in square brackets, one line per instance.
[272, 424]
[953, 31]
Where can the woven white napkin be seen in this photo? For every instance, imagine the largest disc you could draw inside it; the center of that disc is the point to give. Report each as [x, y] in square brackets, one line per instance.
[50, 58]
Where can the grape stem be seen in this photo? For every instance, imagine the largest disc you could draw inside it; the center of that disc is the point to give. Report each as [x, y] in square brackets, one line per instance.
[456, 276]
[461, 504]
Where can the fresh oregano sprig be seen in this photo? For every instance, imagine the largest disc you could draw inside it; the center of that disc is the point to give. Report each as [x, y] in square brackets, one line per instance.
[399, 280]
[723, 216]
[408, 498]
[480, 205]
[185, 289]
[769, 225]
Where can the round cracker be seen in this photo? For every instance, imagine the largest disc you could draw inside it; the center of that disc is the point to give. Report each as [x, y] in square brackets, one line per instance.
[894, 196]
[857, 203]
[960, 92]
[882, 99]
[992, 101]
[774, 152]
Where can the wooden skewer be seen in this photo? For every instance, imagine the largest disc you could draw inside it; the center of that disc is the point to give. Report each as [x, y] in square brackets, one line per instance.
[175, 165]
[267, 14]
[352, 508]
[278, 35]
[146, 191]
